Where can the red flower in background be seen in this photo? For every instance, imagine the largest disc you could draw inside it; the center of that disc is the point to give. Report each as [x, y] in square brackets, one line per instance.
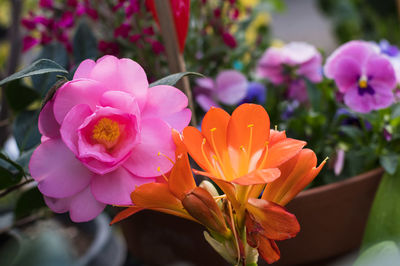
[180, 11]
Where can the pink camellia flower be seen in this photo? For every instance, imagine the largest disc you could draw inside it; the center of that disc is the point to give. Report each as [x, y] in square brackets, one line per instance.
[230, 88]
[365, 76]
[289, 65]
[104, 133]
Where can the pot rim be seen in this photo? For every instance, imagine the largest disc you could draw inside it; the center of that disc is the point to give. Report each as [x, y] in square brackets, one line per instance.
[347, 182]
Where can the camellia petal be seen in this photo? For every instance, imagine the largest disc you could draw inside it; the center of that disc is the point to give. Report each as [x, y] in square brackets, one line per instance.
[150, 156]
[84, 207]
[48, 126]
[84, 69]
[116, 187]
[66, 176]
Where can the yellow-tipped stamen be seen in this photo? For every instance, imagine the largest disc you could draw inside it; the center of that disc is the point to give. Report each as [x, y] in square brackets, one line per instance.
[205, 156]
[162, 154]
[276, 128]
[162, 174]
[264, 160]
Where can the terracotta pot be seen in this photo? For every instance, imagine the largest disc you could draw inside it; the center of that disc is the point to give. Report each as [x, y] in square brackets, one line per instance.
[332, 220]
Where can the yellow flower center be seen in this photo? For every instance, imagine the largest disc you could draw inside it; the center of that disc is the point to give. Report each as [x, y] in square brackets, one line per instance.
[106, 132]
[362, 84]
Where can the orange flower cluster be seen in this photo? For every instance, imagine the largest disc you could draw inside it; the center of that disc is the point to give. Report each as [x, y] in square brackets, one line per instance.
[259, 170]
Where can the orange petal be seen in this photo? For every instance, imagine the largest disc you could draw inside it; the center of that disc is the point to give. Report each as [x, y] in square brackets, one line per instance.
[177, 138]
[249, 123]
[125, 214]
[181, 180]
[193, 140]
[155, 195]
[268, 250]
[282, 151]
[258, 177]
[275, 136]
[297, 173]
[276, 223]
[214, 128]
[299, 186]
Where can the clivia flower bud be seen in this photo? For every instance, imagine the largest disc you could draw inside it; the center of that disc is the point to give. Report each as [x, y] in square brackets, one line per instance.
[201, 205]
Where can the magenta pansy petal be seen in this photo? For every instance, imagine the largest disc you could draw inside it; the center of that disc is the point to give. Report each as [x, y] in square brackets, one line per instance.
[80, 91]
[72, 121]
[48, 126]
[231, 87]
[116, 187]
[179, 120]
[365, 103]
[84, 207]
[150, 155]
[357, 50]
[84, 69]
[205, 83]
[206, 102]
[296, 53]
[57, 170]
[379, 69]
[122, 75]
[348, 74]
[312, 69]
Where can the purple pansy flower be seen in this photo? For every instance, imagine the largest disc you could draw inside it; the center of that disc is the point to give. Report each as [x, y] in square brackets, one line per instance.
[229, 87]
[363, 75]
[393, 54]
[289, 65]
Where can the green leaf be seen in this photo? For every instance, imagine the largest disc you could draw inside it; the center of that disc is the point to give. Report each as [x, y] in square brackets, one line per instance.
[57, 53]
[85, 44]
[25, 129]
[171, 80]
[383, 253]
[29, 202]
[8, 178]
[314, 95]
[384, 218]
[390, 162]
[10, 172]
[351, 131]
[19, 96]
[41, 66]
[24, 159]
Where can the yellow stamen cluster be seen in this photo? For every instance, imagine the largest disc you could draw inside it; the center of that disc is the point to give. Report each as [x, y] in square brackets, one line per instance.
[363, 84]
[106, 132]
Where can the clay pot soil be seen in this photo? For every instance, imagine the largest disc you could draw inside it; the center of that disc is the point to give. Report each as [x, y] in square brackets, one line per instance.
[332, 219]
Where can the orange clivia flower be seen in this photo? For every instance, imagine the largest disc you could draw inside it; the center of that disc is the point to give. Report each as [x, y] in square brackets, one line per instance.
[245, 158]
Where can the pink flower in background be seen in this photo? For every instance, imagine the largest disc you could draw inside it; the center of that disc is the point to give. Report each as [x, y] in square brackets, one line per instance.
[230, 88]
[28, 42]
[289, 65]
[104, 133]
[365, 77]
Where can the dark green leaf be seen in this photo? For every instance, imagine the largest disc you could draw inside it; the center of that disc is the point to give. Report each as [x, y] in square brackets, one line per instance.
[171, 80]
[384, 218]
[9, 178]
[41, 66]
[29, 202]
[85, 44]
[56, 52]
[11, 162]
[383, 253]
[25, 128]
[314, 95]
[19, 96]
[390, 162]
[24, 159]
[351, 131]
